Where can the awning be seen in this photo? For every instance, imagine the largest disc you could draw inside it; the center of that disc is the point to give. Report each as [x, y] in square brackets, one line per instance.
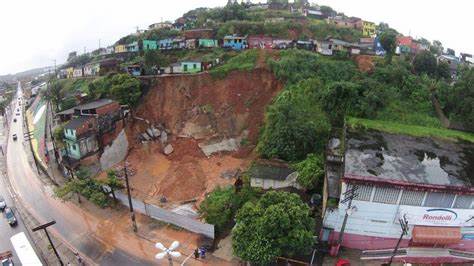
[436, 235]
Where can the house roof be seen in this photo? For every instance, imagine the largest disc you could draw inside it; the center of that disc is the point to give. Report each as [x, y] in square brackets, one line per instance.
[407, 159]
[77, 122]
[90, 105]
[270, 170]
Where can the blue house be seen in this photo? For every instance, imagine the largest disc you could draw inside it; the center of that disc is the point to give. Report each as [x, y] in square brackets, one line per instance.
[165, 44]
[235, 42]
[132, 47]
[378, 47]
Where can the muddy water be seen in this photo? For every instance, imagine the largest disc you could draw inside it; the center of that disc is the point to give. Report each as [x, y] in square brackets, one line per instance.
[411, 159]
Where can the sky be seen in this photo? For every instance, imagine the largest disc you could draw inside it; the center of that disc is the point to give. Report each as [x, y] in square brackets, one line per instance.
[37, 32]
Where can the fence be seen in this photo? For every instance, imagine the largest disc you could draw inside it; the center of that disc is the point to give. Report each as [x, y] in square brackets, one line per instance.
[168, 216]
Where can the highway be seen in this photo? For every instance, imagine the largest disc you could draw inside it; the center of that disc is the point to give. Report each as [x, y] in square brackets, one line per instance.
[85, 232]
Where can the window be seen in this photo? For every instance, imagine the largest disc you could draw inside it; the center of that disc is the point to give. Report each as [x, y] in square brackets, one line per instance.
[73, 147]
[464, 202]
[386, 195]
[412, 198]
[439, 199]
[194, 66]
[362, 192]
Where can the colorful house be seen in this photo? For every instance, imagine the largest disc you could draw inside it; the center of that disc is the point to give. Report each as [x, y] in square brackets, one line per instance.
[120, 48]
[282, 44]
[191, 66]
[191, 44]
[134, 70]
[178, 44]
[207, 43]
[165, 44]
[70, 72]
[343, 22]
[78, 72]
[260, 41]
[235, 42]
[92, 69]
[132, 47]
[80, 138]
[368, 28]
[149, 45]
[324, 47]
[404, 44]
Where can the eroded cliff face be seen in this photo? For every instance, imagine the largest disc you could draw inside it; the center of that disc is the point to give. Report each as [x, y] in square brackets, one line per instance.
[212, 126]
[202, 108]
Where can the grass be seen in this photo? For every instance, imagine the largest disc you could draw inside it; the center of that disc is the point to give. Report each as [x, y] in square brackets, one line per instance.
[417, 131]
[245, 61]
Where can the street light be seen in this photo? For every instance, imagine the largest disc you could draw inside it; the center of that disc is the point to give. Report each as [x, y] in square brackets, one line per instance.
[169, 252]
[43, 227]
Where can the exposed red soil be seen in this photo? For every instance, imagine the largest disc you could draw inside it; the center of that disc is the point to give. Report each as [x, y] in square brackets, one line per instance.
[197, 109]
[364, 63]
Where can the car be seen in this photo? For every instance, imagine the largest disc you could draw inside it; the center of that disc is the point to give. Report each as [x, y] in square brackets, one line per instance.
[18, 109]
[3, 204]
[17, 114]
[15, 137]
[14, 119]
[10, 216]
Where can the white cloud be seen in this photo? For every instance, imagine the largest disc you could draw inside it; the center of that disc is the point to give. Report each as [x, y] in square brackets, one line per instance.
[35, 32]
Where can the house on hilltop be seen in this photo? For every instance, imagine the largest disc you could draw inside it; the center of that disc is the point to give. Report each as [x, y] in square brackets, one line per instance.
[235, 42]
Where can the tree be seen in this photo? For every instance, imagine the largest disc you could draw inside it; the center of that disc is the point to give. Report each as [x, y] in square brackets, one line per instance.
[295, 125]
[338, 99]
[125, 89]
[425, 62]
[458, 100]
[279, 224]
[327, 10]
[221, 205]
[113, 183]
[450, 51]
[443, 71]
[388, 40]
[310, 171]
[153, 59]
[437, 47]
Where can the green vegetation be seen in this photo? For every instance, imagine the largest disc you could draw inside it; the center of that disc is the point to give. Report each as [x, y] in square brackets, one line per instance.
[221, 205]
[458, 100]
[310, 171]
[279, 224]
[388, 40]
[412, 130]
[245, 61]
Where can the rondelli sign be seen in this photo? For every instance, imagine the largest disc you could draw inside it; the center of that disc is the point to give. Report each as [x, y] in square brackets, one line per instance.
[437, 216]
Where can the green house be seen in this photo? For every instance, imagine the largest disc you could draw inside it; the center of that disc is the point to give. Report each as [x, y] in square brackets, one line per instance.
[191, 66]
[208, 43]
[149, 45]
[80, 137]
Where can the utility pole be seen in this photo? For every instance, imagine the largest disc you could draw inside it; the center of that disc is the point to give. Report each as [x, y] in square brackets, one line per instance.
[404, 225]
[132, 214]
[44, 227]
[349, 195]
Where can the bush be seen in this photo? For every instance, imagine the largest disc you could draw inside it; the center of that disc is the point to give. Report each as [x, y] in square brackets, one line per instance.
[295, 125]
[245, 61]
[310, 171]
[221, 204]
[279, 224]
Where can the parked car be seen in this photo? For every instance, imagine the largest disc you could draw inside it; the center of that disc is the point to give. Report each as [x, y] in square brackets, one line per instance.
[10, 216]
[17, 114]
[15, 137]
[3, 204]
[14, 119]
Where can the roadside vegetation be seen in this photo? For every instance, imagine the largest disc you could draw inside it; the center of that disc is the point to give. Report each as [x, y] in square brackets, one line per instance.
[244, 61]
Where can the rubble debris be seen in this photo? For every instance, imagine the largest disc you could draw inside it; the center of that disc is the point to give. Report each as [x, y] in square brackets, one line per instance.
[168, 149]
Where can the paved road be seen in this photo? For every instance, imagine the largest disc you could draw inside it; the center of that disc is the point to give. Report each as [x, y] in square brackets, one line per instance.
[77, 227]
[6, 231]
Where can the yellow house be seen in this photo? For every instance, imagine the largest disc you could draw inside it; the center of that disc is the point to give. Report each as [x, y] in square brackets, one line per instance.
[368, 29]
[69, 72]
[120, 48]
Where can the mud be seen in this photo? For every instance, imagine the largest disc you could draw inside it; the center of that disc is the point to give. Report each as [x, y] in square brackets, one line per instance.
[197, 111]
[406, 158]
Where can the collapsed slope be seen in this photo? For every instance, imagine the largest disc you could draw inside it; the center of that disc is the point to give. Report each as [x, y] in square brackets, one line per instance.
[203, 116]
